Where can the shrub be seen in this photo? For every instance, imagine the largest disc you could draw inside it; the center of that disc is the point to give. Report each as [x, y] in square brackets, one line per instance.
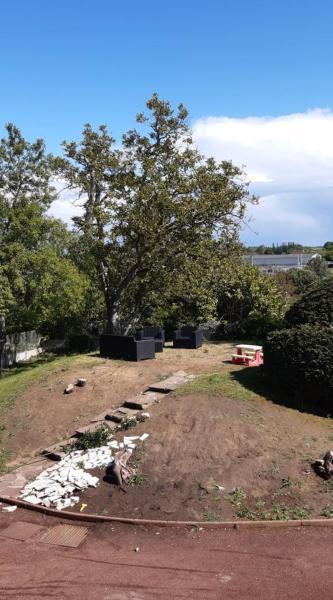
[249, 303]
[82, 342]
[316, 306]
[296, 281]
[299, 360]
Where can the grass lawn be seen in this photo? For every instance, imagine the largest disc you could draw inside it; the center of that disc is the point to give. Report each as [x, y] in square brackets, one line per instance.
[223, 382]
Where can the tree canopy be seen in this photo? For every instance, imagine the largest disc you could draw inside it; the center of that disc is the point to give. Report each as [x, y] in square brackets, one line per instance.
[157, 241]
[40, 287]
[155, 211]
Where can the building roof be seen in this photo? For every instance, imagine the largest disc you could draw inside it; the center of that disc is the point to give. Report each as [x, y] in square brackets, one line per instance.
[279, 260]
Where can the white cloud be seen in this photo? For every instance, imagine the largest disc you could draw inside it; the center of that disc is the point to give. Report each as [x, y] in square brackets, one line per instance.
[289, 160]
[67, 205]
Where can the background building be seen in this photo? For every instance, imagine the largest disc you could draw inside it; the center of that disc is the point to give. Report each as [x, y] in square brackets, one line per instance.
[271, 263]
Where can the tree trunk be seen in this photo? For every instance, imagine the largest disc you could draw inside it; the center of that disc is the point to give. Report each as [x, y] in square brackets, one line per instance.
[112, 322]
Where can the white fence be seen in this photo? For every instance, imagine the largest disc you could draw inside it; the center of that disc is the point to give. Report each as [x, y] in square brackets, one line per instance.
[21, 347]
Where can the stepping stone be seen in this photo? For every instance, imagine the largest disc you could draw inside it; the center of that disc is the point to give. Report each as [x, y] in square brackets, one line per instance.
[171, 383]
[101, 415]
[57, 451]
[167, 385]
[93, 427]
[121, 414]
[142, 401]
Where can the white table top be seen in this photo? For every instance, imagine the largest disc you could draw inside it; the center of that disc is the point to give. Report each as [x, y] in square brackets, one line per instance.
[248, 347]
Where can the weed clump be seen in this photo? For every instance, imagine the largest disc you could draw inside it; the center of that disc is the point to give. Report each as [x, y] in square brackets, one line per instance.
[93, 439]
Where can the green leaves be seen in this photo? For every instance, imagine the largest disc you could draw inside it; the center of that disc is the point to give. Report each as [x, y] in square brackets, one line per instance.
[315, 306]
[48, 289]
[155, 213]
[249, 302]
[40, 287]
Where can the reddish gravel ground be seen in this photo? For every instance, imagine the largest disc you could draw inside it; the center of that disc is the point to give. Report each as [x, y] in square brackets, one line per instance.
[267, 564]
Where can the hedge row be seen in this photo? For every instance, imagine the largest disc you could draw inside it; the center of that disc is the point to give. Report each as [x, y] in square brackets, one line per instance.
[300, 360]
[315, 306]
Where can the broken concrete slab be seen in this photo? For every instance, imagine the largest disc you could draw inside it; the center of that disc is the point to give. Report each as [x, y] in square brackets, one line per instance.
[167, 385]
[171, 383]
[55, 454]
[59, 450]
[142, 401]
[94, 426]
[9, 509]
[58, 483]
[101, 416]
[69, 389]
[121, 414]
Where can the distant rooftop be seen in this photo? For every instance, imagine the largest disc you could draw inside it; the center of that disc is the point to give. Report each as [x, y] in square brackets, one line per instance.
[279, 262]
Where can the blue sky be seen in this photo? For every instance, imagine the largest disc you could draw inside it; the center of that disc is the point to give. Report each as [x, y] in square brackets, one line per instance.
[248, 71]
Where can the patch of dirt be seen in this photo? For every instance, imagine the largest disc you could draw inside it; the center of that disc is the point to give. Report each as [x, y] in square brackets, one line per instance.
[44, 415]
[197, 443]
[262, 449]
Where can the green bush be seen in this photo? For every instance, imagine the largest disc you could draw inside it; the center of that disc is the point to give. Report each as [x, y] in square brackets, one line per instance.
[82, 342]
[250, 304]
[300, 360]
[316, 306]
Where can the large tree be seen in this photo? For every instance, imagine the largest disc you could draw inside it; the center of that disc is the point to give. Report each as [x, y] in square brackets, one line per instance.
[40, 286]
[154, 209]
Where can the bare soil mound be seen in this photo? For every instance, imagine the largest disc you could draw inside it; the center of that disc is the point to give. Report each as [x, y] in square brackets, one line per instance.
[44, 415]
[258, 452]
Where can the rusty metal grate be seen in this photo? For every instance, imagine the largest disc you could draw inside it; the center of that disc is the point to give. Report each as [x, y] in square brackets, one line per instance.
[21, 530]
[65, 535]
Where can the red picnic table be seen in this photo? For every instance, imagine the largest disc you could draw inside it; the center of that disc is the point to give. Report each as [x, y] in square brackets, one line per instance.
[248, 355]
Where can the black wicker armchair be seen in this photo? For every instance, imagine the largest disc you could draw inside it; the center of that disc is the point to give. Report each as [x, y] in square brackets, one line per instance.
[152, 333]
[126, 347]
[187, 337]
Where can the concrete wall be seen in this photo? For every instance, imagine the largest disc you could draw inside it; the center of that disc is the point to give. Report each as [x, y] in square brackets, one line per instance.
[21, 347]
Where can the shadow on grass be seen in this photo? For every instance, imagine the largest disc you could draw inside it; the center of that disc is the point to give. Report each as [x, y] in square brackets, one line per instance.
[253, 379]
[43, 360]
[29, 366]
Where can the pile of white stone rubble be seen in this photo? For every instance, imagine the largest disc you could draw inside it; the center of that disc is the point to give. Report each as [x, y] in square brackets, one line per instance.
[57, 485]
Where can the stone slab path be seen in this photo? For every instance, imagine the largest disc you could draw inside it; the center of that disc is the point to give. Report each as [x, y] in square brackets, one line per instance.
[12, 483]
